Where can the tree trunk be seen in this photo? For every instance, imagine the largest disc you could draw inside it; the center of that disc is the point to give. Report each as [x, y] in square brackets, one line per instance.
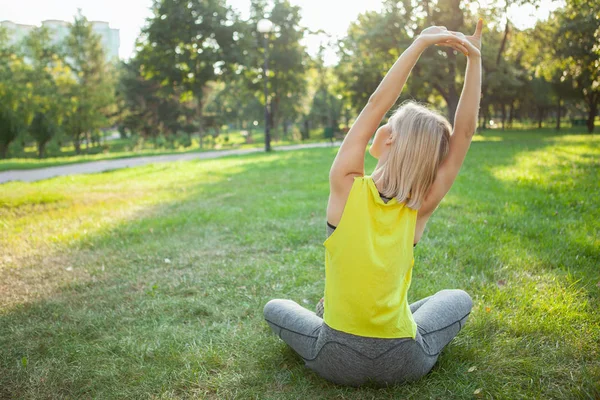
[285, 129]
[306, 130]
[511, 114]
[41, 148]
[486, 117]
[503, 106]
[503, 44]
[558, 109]
[3, 150]
[453, 95]
[540, 117]
[273, 115]
[591, 117]
[200, 123]
[77, 144]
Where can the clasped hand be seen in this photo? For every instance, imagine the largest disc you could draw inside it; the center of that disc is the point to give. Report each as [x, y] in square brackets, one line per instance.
[470, 46]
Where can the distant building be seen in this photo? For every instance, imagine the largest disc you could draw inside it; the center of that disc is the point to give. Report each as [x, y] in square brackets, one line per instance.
[60, 30]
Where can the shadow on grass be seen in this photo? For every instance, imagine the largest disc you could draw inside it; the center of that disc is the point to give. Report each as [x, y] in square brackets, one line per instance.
[170, 303]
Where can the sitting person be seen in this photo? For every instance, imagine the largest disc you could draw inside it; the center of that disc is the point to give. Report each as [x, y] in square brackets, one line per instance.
[369, 332]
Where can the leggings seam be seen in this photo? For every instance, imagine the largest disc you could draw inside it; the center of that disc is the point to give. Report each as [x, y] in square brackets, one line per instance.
[448, 326]
[366, 356]
[345, 345]
[289, 330]
[358, 352]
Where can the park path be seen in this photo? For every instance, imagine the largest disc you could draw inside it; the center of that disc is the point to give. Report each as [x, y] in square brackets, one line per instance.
[31, 175]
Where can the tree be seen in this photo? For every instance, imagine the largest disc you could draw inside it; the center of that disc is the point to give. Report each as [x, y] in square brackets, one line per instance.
[93, 95]
[546, 88]
[52, 81]
[138, 100]
[376, 40]
[187, 44]
[43, 128]
[326, 101]
[372, 45]
[287, 60]
[576, 42]
[15, 92]
[234, 103]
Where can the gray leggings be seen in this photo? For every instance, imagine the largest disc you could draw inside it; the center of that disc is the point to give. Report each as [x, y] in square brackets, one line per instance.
[353, 360]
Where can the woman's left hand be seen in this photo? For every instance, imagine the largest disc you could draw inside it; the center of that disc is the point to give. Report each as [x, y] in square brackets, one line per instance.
[439, 35]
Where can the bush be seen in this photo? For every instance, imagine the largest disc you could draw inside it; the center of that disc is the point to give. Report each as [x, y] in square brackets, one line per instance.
[135, 142]
[53, 147]
[160, 141]
[183, 139]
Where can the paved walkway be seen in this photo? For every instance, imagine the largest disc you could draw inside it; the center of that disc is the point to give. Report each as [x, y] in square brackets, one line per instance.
[31, 175]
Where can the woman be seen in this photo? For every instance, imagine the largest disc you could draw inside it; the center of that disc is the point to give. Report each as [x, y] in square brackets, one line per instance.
[369, 332]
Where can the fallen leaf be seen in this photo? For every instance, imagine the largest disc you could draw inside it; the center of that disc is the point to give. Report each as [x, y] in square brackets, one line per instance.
[501, 282]
[473, 368]
[477, 392]
[69, 269]
[167, 261]
[487, 309]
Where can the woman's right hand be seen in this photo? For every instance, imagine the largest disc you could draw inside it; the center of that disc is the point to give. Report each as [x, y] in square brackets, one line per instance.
[468, 45]
[472, 43]
[439, 35]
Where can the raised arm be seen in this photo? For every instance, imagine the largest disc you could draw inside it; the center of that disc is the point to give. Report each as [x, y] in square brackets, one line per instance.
[349, 161]
[465, 124]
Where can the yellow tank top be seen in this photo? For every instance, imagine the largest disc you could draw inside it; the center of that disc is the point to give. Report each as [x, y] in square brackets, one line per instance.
[368, 266]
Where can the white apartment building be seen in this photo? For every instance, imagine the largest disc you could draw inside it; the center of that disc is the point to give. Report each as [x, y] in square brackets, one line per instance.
[60, 29]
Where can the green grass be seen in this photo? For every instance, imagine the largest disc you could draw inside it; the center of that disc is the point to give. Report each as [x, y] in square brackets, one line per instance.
[149, 282]
[122, 148]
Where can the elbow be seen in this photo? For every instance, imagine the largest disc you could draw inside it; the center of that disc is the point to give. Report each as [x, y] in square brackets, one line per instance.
[466, 133]
[470, 132]
[374, 100]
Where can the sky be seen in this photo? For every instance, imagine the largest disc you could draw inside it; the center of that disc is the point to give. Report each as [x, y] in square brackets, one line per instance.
[129, 16]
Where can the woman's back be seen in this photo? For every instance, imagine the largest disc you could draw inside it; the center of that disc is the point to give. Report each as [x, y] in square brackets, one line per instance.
[368, 266]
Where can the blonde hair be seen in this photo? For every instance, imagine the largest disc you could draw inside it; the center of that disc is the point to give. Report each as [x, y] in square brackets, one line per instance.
[420, 141]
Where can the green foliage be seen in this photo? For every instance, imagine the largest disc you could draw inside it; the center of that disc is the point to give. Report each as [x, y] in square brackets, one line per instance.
[15, 93]
[42, 129]
[183, 139]
[287, 60]
[183, 48]
[92, 98]
[576, 42]
[52, 81]
[10, 126]
[375, 41]
[138, 100]
[328, 103]
[234, 103]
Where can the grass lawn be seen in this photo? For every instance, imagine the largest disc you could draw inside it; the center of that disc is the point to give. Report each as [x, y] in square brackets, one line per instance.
[149, 282]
